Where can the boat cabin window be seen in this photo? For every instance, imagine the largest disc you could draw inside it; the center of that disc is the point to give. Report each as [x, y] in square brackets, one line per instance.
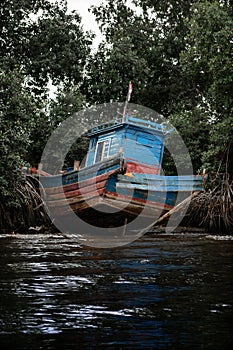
[102, 150]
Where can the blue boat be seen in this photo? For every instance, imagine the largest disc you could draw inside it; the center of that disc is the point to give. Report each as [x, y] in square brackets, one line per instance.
[121, 177]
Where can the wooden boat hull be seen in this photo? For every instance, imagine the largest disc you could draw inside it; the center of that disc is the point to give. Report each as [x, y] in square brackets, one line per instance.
[108, 193]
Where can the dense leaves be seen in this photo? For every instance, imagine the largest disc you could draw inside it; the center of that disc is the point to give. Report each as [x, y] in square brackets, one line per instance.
[40, 44]
[41, 37]
[17, 111]
[67, 102]
[154, 36]
[207, 61]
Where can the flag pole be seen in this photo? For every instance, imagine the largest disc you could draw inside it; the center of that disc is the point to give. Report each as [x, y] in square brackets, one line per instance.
[127, 101]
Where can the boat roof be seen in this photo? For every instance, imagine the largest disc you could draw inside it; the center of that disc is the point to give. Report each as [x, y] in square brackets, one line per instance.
[116, 123]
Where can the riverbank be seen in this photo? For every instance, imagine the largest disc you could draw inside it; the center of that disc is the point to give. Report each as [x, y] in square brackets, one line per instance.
[180, 233]
[210, 211]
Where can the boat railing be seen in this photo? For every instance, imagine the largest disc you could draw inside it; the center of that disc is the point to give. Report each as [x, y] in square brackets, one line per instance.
[106, 125]
[130, 120]
[147, 124]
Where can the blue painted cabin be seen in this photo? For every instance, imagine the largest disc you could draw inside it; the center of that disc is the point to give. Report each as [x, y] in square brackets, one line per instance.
[142, 143]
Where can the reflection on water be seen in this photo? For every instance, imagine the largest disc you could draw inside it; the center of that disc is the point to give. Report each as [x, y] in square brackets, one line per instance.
[161, 292]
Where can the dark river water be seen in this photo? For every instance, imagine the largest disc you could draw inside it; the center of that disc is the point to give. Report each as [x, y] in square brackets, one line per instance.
[160, 292]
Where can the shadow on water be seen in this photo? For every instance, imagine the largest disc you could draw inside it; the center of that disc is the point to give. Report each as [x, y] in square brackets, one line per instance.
[160, 292]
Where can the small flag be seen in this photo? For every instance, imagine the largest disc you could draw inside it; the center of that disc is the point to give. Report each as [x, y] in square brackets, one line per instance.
[130, 91]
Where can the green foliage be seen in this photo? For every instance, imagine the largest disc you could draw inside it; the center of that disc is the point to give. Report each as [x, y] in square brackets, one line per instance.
[120, 58]
[111, 70]
[207, 63]
[16, 113]
[194, 127]
[144, 47]
[40, 44]
[40, 37]
[67, 102]
[58, 48]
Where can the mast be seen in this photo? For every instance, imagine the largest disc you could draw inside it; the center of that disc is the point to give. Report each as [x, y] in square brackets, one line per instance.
[127, 100]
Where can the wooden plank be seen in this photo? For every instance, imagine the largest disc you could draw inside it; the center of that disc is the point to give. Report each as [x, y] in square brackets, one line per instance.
[76, 199]
[79, 207]
[163, 183]
[78, 192]
[131, 208]
[80, 184]
[159, 188]
[138, 202]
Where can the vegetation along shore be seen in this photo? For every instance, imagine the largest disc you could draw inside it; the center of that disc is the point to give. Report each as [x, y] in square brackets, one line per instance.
[177, 54]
